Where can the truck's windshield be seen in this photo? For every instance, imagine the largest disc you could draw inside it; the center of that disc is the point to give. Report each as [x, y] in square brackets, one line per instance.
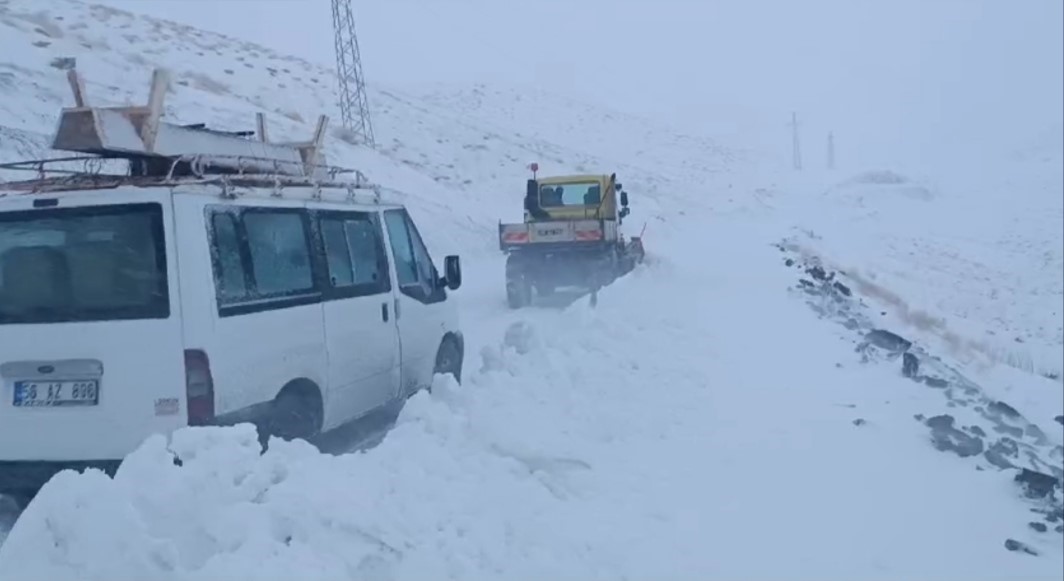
[83, 264]
[575, 194]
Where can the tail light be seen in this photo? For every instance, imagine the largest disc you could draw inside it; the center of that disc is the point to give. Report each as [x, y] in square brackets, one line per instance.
[199, 388]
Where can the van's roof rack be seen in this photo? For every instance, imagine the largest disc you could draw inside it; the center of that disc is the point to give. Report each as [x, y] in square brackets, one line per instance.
[160, 153]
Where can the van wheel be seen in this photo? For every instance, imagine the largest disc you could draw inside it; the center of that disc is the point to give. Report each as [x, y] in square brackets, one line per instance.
[296, 413]
[449, 359]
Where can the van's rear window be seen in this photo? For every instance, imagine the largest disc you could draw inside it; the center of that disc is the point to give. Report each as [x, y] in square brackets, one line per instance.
[89, 263]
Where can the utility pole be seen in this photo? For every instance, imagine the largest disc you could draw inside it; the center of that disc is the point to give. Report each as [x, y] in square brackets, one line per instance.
[354, 104]
[831, 150]
[796, 153]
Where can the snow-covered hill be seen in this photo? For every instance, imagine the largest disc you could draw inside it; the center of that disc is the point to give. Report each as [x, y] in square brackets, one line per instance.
[711, 417]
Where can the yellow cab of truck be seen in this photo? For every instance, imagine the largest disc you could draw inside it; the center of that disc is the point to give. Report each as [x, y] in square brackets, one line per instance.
[576, 197]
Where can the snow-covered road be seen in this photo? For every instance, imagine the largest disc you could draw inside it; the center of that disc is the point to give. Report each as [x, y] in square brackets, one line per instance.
[699, 423]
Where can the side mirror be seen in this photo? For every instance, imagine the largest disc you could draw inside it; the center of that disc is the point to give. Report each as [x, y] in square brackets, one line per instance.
[452, 268]
[624, 199]
[625, 212]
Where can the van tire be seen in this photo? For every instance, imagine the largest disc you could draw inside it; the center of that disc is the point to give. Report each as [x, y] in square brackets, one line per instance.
[449, 358]
[296, 412]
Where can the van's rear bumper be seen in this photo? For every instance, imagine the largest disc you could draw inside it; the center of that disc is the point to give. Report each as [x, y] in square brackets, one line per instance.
[27, 478]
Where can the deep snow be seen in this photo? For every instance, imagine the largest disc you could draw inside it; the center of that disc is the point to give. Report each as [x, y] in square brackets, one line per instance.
[700, 422]
[621, 441]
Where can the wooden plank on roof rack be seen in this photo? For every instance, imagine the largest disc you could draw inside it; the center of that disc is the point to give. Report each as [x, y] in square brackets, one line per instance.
[170, 151]
[149, 131]
[77, 86]
[137, 131]
[260, 125]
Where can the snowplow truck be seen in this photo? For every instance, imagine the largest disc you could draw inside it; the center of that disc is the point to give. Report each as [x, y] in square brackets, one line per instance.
[571, 237]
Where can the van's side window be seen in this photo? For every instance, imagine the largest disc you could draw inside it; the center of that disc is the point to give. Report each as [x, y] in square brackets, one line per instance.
[280, 254]
[231, 283]
[399, 238]
[337, 254]
[367, 252]
[416, 274]
[354, 253]
[426, 270]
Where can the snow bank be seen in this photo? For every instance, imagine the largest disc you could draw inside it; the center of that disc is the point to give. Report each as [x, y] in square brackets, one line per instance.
[645, 438]
[975, 263]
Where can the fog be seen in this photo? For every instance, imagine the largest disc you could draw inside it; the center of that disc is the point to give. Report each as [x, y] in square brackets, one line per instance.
[892, 78]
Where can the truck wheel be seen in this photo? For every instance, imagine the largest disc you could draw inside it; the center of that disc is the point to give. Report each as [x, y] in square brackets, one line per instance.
[518, 289]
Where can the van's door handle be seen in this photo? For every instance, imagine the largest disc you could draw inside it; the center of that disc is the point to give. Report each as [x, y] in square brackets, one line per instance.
[384, 312]
[397, 309]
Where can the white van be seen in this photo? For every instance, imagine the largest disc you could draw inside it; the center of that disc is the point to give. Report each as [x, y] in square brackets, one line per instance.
[135, 310]
[139, 304]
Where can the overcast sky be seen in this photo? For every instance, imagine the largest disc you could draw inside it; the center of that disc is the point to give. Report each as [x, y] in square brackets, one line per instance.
[900, 71]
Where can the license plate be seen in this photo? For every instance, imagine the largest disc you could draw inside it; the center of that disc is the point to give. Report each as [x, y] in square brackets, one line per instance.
[56, 393]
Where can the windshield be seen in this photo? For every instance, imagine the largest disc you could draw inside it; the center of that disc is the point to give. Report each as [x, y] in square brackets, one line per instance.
[575, 194]
[83, 264]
